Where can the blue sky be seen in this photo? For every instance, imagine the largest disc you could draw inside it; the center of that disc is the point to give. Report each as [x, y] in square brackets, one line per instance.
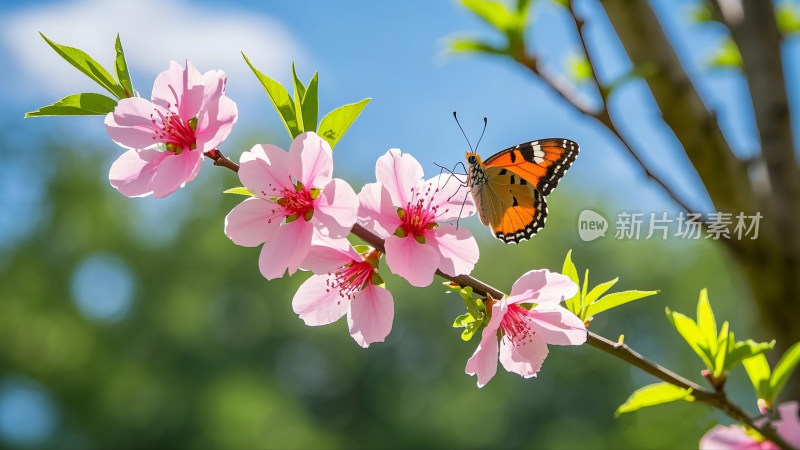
[394, 53]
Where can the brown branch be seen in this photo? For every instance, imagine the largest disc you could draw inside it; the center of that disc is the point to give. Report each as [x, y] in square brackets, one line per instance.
[221, 160]
[716, 399]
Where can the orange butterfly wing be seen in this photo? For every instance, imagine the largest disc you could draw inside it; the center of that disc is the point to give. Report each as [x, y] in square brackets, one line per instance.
[540, 163]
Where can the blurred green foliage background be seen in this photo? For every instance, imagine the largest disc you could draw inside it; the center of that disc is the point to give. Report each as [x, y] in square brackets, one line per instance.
[137, 323]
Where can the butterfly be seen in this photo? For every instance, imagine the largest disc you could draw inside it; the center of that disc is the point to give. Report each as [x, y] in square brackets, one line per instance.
[509, 188]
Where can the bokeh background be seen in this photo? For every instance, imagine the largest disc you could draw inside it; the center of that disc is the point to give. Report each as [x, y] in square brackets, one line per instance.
[137, 323]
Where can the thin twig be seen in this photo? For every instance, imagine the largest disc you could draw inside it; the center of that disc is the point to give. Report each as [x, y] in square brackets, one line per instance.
[221, 160]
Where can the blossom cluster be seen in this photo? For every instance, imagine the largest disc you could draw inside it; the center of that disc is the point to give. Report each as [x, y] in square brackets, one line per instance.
[301, 217]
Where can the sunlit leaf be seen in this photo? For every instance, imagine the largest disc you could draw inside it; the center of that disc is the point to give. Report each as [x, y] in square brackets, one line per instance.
[298, 93]
[579, 69]
[334, 125]
[569, 269]
[310, 104]
[757, 368]
[746, 349]
[700, 13]
[706, 322]
[494, 13]
[654, 394]
[616, 299]
[470, 45]
[87, 104]
[721, 351]
[240, 190]
[88, 66]
[121, 69]
[783, 369]
[599, 290]
[788, 18]
[280, 99]
[726, 56]
[688, 329]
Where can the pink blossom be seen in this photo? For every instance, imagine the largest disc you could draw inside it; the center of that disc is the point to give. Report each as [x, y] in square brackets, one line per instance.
[295, 194]
[408, 212]
[736, 437]
[346, 282]
[524, 333]
[189, 115]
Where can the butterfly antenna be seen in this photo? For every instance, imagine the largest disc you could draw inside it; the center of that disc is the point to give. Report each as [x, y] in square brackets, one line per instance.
[485, 121]
[462, 131]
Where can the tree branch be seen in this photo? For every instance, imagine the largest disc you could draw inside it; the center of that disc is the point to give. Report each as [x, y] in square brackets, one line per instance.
[716, 399]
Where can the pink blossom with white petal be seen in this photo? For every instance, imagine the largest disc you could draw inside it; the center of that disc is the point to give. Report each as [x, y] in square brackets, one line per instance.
[736, 437]
[408, 212]
[189, 115]
[346, 282]
[295, 194]
[525, 333]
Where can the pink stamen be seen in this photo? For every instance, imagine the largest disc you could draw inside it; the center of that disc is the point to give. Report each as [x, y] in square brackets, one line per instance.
[174, 131]
[350, 279]
[515, 325]
[420, 214]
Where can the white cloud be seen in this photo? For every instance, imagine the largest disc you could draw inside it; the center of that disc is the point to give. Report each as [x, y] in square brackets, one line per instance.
[153, 32]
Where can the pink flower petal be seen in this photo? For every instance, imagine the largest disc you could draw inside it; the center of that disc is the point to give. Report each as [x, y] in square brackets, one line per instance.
[131, 125]
[175, 171]
[731, 438]
[411, 260]
[286, 250]
[453, 199]
[263, 171]
[542, 286]
[310, 160]
[556, 325]
[326, 256]
[179, 90]
[370, 316]
[376, 212]
[317, 303]
[217, 123]
[336, 209]
[253, 222]
[483, 362]
[458, 249]
[523, 357]
[789, 426]
[399, 173]
[132, 173]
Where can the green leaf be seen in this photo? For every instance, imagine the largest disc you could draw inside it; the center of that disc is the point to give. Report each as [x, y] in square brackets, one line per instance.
[87, 104]
[470, 45]
[721, 351]
[494, 13]
[310, 104]
[579, 68]
[280, 100]
[582, 302]
[746, 349]
[706, 322]
[91, 68]
[298, 93]
[335, 123]
[783, 369]
[121, 69]
[788, 18]
[701, 13]
[616, 299]
[726, 56]
[599, 290]
[654, 394]
[240, 190]
[569, 269]
[757, 368]
[688, 329]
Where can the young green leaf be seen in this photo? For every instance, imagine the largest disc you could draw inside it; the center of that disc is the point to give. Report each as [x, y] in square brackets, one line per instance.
[726, 56]
[471, 45]
[298, 92]
[310, 104]
[721, 352]
[757, 368]
[654, 394]
[280, 99]
[335, 123]
[579, 68]
[569, 269]
[240, 190]
[783, 369]
[788, 18]
[494, 13]
[707, 324]
[121, 69]
[87, 104]
[599, 290]
[745, 349]
[688, 329]
[616, 299]
[88, 66]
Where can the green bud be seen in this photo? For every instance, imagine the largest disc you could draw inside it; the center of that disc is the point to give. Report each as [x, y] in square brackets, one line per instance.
[291, 219]
[400, 232]
[420, 238]
[309, 215]
[315, 193]
[401, 213]
[193, 123]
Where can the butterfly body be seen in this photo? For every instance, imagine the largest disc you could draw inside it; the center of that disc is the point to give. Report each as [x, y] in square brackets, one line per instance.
[509, 188]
